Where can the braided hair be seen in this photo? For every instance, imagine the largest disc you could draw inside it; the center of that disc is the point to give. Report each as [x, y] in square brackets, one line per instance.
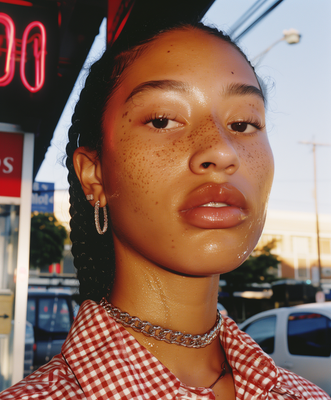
[94, 256]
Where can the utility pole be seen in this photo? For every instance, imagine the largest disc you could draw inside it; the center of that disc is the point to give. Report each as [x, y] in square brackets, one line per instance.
[314, 144]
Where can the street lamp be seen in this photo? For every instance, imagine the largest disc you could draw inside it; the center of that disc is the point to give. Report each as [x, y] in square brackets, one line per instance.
[291, 36]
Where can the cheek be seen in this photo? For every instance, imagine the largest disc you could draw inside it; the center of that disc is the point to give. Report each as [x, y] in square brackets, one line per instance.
[138, 169]
[258, 161]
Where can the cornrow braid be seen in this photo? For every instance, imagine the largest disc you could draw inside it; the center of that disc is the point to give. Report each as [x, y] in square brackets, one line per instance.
[94, 256]
[93, 253]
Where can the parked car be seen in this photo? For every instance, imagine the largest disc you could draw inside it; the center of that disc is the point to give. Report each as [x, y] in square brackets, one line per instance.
[51, 314]
[297, 338]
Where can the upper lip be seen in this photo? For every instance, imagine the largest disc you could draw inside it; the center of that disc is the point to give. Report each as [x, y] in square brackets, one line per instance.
[215, 192]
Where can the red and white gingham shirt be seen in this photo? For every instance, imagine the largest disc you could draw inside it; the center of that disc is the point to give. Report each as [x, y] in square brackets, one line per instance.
[100, 360]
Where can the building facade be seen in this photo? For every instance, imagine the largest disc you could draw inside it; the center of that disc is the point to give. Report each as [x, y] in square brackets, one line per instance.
[296, 244]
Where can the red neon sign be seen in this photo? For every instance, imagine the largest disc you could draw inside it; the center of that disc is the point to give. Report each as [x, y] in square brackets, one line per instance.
[18, 2]
[10, 57]
[39, 53]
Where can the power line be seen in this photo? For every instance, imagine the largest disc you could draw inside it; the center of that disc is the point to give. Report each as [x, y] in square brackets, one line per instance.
[259, 19]
[246, 15]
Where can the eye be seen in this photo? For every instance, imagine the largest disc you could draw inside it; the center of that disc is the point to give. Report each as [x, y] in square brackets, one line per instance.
[162, 123]
[245, 126]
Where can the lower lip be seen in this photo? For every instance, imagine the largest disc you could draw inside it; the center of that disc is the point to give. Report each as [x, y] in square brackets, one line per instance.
[214, 218]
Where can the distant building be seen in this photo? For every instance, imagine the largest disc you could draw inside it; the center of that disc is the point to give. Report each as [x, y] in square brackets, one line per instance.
[296, 244]
[61, 207]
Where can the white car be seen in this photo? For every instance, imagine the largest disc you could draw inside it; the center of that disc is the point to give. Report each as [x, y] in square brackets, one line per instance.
[297, 338]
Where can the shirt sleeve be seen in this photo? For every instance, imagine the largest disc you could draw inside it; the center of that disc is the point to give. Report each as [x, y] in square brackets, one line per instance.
[54, 380]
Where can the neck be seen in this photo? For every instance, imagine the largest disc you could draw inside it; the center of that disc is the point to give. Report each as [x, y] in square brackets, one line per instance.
[164, 298]
[172, 301]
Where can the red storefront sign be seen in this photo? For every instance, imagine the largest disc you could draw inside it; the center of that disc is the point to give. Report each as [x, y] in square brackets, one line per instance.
[11, 153]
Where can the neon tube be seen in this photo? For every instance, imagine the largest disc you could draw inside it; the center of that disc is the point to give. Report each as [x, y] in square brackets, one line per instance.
[39, 53]
[10, 57]
[18, 2]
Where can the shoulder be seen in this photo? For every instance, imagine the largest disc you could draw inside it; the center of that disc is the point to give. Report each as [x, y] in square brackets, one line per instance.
[299, 385]
[54, 380]
[57, 380]
[254, 368]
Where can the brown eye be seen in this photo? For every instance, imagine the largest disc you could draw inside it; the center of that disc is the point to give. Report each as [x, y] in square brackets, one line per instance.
[239, 126]
[163, 123]
[246, 127]
[160, 123]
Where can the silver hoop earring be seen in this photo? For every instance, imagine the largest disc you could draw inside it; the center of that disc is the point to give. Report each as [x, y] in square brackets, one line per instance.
[97, 221]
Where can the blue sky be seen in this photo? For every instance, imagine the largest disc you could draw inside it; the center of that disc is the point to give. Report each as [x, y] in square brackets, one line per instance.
[299, 104]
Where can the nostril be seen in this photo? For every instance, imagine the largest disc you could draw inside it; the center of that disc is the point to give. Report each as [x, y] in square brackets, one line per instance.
[205, 165]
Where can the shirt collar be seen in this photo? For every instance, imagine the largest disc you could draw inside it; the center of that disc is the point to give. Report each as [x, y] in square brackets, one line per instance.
[103, 356]
[246, 356]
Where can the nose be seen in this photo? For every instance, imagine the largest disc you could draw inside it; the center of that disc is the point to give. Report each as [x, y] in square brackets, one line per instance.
[216, 153]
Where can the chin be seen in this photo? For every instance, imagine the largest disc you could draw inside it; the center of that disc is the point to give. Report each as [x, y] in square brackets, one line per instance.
[205, 265]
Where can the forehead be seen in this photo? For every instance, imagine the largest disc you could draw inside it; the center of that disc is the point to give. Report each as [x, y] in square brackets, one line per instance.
[187, 54]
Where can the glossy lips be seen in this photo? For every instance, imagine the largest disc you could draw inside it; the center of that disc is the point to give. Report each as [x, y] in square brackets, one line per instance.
[215, 206]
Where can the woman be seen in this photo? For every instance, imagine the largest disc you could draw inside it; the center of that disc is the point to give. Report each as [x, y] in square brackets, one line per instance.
[169, 139]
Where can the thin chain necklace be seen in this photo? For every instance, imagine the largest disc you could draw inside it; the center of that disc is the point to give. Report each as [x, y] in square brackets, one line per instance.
[163, 334]
[220, 377]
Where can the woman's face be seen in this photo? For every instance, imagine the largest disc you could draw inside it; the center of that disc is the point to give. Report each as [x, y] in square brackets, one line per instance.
[186, 163]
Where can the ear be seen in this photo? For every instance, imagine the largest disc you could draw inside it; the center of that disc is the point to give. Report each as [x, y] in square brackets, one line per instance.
[88, 170]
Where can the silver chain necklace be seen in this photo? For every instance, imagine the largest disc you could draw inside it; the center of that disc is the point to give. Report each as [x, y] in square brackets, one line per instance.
[159, 333]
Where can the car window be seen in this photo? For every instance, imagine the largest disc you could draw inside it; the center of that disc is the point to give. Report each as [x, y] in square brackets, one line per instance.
[31, 311]
[54, 315]
[309, 334]
[263, 332]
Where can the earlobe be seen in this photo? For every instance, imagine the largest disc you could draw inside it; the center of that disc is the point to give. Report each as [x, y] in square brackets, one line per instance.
[88, 170]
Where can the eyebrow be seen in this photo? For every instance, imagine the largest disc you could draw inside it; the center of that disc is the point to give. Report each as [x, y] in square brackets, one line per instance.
[234, 89]
[164, 84]
[241, 89]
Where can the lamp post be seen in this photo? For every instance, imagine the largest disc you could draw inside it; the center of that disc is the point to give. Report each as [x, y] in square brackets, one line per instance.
[291, 36]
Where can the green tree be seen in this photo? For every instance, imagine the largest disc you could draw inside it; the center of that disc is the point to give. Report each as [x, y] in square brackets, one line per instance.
[47, 240]
[258, 268]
